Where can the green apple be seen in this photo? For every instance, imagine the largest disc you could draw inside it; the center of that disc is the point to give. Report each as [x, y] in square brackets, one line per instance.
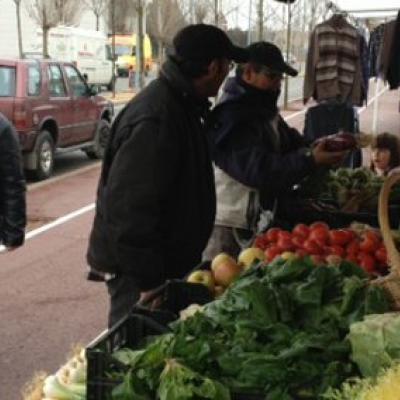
[248, 256]
[205, 278]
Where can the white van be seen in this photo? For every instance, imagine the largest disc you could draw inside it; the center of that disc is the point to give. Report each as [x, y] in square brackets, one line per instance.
[87, 49]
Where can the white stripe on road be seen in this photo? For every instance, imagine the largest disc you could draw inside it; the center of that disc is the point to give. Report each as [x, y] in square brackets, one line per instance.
[90, 207]
[57, 222]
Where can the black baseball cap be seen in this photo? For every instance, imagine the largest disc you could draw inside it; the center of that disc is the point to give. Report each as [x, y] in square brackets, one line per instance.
[202, 42]
[268, 54]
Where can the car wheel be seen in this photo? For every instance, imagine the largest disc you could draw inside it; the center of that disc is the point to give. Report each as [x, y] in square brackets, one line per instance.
[44, 150]
[96, 151]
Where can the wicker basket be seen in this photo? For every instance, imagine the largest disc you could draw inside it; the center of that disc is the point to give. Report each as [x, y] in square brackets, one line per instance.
[390, 282]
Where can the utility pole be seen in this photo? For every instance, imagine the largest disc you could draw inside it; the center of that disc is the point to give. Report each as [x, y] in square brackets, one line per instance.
[288, 44]
[249, 25]
[260, 27]
[113, 46]
[216, 9]
[139, 82]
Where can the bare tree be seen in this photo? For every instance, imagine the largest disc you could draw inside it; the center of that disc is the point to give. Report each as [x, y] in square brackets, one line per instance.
[164, 19]
[201, 10]
[124, 16]
[50, 13]
[97, 7]
[18, 14]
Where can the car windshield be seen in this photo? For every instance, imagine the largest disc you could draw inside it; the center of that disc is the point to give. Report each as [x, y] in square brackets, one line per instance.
[123, 50]
[7, 81]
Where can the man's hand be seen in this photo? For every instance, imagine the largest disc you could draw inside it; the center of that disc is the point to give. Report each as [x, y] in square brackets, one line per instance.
[145, 297]
[323, 157]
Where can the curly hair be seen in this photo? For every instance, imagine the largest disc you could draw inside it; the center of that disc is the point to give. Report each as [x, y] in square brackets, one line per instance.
[389, 142]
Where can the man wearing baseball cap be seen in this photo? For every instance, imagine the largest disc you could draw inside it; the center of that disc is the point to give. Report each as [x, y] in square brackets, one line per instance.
[257, 157]
[156, 196]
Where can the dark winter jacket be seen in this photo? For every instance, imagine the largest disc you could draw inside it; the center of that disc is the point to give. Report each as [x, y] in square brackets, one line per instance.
[393, 74]
[246, 147]
[156, 195]
[12, 187]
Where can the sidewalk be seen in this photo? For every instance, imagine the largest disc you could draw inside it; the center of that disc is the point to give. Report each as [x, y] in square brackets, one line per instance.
[120, 98]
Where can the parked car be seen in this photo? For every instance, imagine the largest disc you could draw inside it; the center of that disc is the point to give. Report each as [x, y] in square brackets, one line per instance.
[53, 110]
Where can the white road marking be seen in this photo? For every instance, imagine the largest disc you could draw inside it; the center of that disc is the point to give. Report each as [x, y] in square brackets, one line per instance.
[90, 207]
[57, 222]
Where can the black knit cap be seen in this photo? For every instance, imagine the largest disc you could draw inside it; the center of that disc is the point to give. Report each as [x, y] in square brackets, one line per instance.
[265, 53]
[203, 42]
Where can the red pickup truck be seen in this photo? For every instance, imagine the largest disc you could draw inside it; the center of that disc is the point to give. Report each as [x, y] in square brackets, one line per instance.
[53, 110]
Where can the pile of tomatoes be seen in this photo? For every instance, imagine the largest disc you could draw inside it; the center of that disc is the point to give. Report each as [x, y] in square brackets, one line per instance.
[317, 240]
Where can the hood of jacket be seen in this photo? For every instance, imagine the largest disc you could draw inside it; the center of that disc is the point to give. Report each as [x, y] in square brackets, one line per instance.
[183, 86]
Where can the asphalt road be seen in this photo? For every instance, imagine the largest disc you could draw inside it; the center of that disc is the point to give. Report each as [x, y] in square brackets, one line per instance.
[46, 305]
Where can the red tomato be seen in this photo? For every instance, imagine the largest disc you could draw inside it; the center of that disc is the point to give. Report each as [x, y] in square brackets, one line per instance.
[272, 252]
[351, 234]
[285, 244]
[367, 262]
[381, 255]
[298, 241]
[261, 243]
[353, 247]
[272, 234]
[319, 224]
[319, 235]
[339, 237]
[284, 235]
[369, 245]
[301, 230]
[311, 247]
[372, 235]
[335, 250]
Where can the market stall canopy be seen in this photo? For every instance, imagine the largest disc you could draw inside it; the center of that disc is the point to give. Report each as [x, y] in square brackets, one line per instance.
[369, 8]
[286, 1]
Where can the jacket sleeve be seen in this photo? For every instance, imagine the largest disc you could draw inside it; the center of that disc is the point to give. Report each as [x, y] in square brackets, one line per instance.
[12, 189]
[246, 158]
[141, 173]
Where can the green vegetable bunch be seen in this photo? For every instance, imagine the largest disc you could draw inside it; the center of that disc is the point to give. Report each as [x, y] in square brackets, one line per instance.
[279, 330]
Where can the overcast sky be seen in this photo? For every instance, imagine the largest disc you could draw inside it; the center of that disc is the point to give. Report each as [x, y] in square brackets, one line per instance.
[242, 16]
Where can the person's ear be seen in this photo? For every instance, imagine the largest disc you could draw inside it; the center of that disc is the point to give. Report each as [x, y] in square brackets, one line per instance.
[247, 74]
[213, 68]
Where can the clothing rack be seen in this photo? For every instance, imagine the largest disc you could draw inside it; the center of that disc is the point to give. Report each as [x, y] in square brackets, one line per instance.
[350, 14]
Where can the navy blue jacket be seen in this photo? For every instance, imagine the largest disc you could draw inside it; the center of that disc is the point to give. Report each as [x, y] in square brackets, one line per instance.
[242, 143]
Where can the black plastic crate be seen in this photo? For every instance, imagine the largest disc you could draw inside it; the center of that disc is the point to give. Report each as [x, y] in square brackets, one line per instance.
[176, 295]
[131, 332]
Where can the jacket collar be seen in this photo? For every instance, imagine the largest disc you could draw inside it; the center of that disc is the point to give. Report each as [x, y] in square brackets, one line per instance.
[182, 86]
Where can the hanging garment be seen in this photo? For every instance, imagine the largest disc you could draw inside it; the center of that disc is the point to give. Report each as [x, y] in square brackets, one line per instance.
[333, 68]
[374, 46]
[393, 74]
[328, 118]
[385, 50]
[364, 60]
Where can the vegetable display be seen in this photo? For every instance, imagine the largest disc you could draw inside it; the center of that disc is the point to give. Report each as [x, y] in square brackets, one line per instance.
[279, 329]
[325, 245]
[386, 387]
[349, 190]
[375, 342]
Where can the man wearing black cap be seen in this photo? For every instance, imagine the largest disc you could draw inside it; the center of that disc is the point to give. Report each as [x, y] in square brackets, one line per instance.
[156, 195]
[257, 156]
